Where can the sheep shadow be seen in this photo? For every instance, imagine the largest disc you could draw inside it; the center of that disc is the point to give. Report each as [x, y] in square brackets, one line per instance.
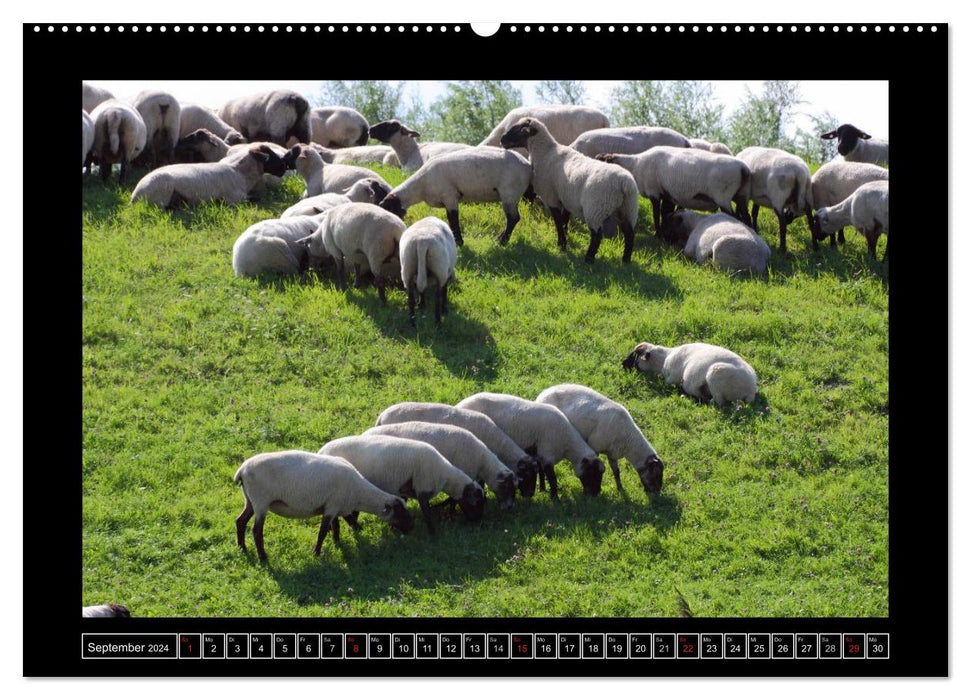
[734, 411]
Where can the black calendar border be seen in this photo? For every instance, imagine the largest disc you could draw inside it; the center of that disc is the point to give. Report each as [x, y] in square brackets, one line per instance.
[919, 580]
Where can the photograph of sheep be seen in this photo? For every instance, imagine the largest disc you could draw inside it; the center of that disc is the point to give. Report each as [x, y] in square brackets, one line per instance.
[547, 348]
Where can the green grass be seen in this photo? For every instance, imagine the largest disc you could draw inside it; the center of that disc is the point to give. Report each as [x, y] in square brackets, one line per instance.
[774, 509]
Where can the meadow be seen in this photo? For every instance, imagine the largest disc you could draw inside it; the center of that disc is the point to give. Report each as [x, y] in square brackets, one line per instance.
[779, 508]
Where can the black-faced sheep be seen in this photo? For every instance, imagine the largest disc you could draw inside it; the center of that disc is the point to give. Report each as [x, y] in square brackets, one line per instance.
[411, 154]
[162, 115]
[856, 145]
[338, 127]
[707, 372]
[427, 250]
[781, 181]
[628, 139]
[564, 122]
[274, 246]
[837, 180]
[867, 210]
[109, 610]
[119, 136]
[195, 117]
[721, 238]
[321, 177]
[269, 116]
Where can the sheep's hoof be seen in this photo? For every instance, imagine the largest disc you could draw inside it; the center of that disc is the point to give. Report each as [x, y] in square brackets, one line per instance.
[502, 240]
[589, 259]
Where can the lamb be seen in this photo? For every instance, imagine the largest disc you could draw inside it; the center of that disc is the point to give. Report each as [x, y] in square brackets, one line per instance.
[427, 249]
[859, 146]
[353, 155]
[230, 180]
[867, 209]
[269, 116]
[630, 139]
[163, 117]
[87, 136]
[837, 180]
[298, 484]
[411, 469]
[608, 428]
[523, 465]
[410, 154]
[92, 96]
[689, 178]
[781, 181]
[476, 174]
[370, 191]
[119, 136]
[321, 178]
[542, 430]
[564, 122]
[704, 371]
[109, 610]
[273, 246]
[337, 127]
[195, 117]
[363, 234]
[570, 183]
[721, 238]
[205, 145]
[463, 449]
[714, 147]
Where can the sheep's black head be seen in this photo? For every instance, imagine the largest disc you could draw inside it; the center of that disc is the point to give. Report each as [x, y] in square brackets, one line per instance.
[273, 164]
[234, 137]
[675, 229]
[290, 159]
[393, 204]
[591, 475]
[652, 474]
[641, 358]
[384, 131]
[119, 610]
[517, 136]
[398, 516]
[472, 502]
[506, 490]
[848, 136]
[378, 191]
[527, 470]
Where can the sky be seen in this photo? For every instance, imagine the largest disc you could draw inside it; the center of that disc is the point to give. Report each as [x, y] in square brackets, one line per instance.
[863, 103]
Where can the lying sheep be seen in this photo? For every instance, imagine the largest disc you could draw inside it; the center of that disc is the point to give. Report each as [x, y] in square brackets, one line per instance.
[201, 146]
[837, 180]
[162, 115]
[195, 117]
[564, 122]
[542, 430]
[109, 610]
[463, 449]
[269, 180]
[363, 234]
[298, 484]
[867, 210]
[92, 96]
[411, 469]
[369, 191]
[479, 174]
[411, 154]
[570, 183]
[353, 155]
[337, 127]
[276, 246]
[523, 465]
[87, 136]
[704, 371]
[608, 428]
[119, 136]
[781, 181]
[714, 147]
[230, 180]
[427, 249]
[269, 116]
[688, 178]
[721, 238]
[629, 140]
[859, 146]
[321, 178]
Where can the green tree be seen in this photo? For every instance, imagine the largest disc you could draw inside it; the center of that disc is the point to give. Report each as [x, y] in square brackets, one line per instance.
[763, 119]
[687, 106]
[564, 92]
[809, 146]
[470, 109]
[377, 100]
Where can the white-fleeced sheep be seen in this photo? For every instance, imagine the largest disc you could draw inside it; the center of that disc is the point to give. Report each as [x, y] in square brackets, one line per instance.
[689, 178]
[475, 174]
[629, 140]
[202, 146]
[338, 127]
[109, 610]
[564, 122]
[837, 180]
[856, 145]
[275, 246]
[523, 465]
[867, 210]
[162, 115]
[368, 191]
[723, 239]
[119, 136]
[298, 484]
[87, 136]
[322, 178]
[411, 154]
[353, 155]
[411, 469]
[571, 184]
[363, 234]
[463, 449]
[713, 146]
[269, 116]
[542, 430]
[608, 428]
[707, 372]
[427, 250]
[195, 117]
[92, 96]
[230, 180]
[782, 182]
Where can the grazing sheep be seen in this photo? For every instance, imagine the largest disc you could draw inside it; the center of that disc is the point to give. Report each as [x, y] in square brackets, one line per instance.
[338, 127]
[704, 371]
[564, 122]
[369, 191]
[322, 178]
[608, 428]
[163, 118]
[427, 249]
[195, 117]
[867, 210]
[570, 183]
[689, 178]
[92, 96]
[411, 469]
[721, 238]
[463, 449]
[230, 180]
[629, 139]
[298, 484]
[353, 155]
[363, 234]
[714, 147]
[87, 136]
[119, 136]
[269, 116]
[275, 245]
[542, 430]
[523, 465]
[781, 181]
[109, 610]
[201, 146]
[475, 174]
[837, 180]
[859, 146]
[411, 154]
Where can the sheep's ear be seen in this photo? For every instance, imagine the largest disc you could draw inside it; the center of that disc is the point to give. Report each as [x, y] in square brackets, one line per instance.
[410, 132]
[259, 155]
[828, 135]
[865, 137]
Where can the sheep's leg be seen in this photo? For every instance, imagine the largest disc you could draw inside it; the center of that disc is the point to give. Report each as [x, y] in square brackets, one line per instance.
[551, 475]
[741, 210]
[616, 470]
[258, 536]
[123, 175]
[241, 523]
[755, 217]
[886, 249]
[813, 227]
[560, 219]
[445, 299]
[512, 218]
[832, 239]
[439, 305]
[426, 511]
[411, 302]
[595, 238]
[379, 283]
[335, 526]
[782, 231]
[87, 164]
[351, 519]
[339, 271]
[656, 214]
[322, 533]
[628, 231]
[871, 236]
[453, 223]
[104, 167]
[840, 236]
